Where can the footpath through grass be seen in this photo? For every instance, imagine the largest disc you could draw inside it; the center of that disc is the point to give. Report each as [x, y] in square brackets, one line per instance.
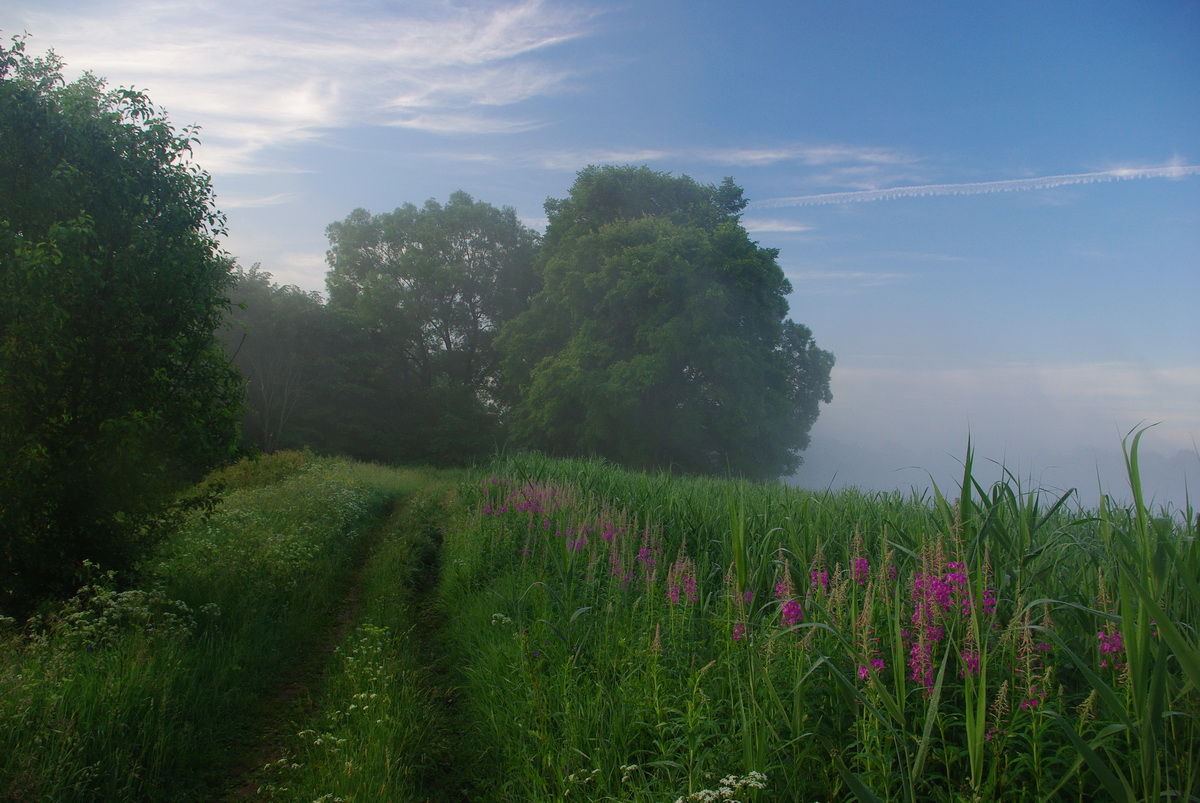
[563, 630]
[150, 692]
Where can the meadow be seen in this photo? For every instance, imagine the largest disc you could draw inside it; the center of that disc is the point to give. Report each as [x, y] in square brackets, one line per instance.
[543, 629]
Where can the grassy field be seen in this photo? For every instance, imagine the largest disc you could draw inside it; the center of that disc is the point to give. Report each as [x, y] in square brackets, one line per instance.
[564, 630]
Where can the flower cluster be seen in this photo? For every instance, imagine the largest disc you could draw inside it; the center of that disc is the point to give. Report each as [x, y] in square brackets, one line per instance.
[681, 581]
[1112, 645]
[727, 787]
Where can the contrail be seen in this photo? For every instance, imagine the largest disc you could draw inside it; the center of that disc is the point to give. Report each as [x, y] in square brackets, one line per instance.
[981, 187]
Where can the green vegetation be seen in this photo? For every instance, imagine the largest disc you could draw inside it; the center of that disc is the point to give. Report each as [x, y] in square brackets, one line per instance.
[145, 693]
[646, 328]
[659, 339]
[634, 638]
[560, 629]
[311, 628]
[114, 393]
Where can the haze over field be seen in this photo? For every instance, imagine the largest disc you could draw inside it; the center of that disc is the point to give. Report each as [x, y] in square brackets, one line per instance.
[991, 216]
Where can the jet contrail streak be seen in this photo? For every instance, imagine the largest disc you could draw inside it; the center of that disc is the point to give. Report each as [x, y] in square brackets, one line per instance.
[981, 187]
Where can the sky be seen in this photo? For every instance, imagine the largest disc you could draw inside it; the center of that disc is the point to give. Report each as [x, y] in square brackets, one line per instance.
[989, 212]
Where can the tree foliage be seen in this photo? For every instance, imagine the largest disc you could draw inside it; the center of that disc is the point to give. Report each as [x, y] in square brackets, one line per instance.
[430, 286]
[660, 336]
[113, 391]
[280, 339]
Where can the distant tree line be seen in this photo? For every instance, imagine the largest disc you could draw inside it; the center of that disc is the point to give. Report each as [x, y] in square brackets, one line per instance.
[646, 327]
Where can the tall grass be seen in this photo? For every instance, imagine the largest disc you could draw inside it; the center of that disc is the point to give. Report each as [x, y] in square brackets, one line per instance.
[632, 637]
[563, 630]
[380, 729]
[140, 693]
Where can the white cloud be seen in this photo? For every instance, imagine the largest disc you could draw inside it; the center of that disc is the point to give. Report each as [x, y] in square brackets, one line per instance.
[811, 155]
[255, 203]
[574, 160]
[1172, 171]
[262, 75]
[759, 225]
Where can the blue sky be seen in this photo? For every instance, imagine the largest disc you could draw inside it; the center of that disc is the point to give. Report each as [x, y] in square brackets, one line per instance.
[990, 213]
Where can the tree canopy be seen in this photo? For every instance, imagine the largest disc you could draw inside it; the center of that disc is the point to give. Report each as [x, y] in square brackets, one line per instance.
[431, 286]
[659, 337]
[113, 390]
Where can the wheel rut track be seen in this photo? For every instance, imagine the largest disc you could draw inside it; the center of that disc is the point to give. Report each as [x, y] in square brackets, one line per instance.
[296, 697]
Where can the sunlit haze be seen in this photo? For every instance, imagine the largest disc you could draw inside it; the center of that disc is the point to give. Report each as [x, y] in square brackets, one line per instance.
[989, 213]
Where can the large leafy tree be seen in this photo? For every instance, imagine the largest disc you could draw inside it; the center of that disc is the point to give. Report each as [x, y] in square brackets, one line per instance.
[113, 391]
[431, 286]
[660, 338]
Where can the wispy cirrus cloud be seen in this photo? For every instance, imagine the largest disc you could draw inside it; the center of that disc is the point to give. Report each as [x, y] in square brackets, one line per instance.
[256, 203]
[773, 226]
[575, 159]
[1174, 171]
[838, 159]
[811, 155]
[269, 75]
[843, 282]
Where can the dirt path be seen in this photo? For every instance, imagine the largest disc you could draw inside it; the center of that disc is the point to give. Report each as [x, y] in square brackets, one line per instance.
[296, 698]
[293, 698]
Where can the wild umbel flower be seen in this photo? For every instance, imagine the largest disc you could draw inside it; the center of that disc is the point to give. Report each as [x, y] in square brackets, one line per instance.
[727, 787]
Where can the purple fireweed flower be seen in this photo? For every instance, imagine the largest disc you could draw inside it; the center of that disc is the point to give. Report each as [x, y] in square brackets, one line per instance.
[862, 570]
[791, 613]
[970, 659]
[820, 580]
[1112, 644]
[681, 579]
[989, 601]
[1035, 699]
[739, 631]
[864, 671]
[747, 597]
[920, 664]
